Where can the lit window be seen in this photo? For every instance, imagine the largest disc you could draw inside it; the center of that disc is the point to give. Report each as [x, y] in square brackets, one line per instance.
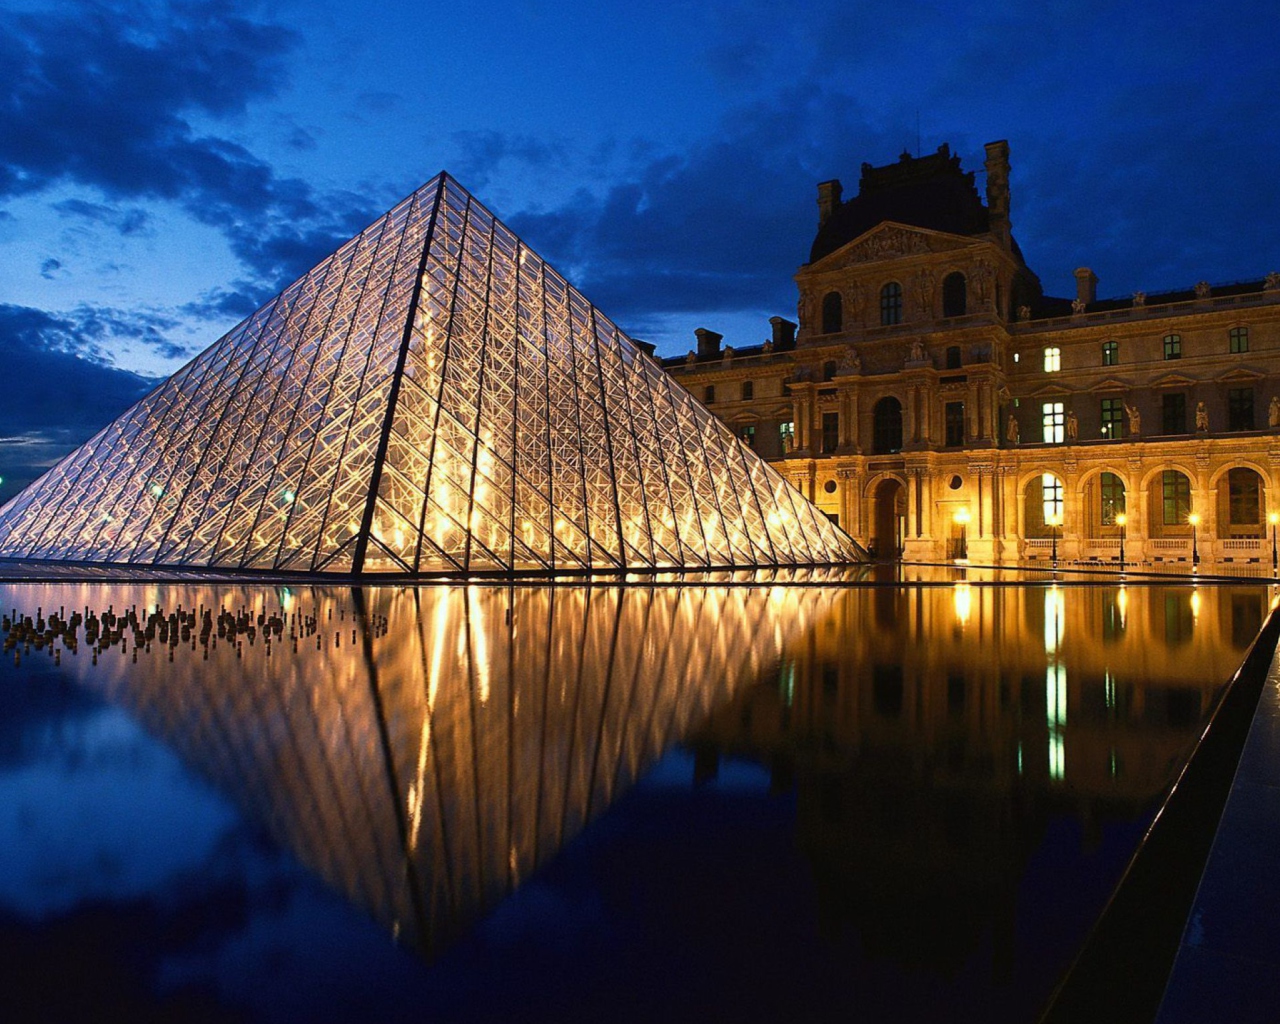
[1112, 492]
[1112, 418]
[1175, 497]
[1239, 339]
[1052, 360]
[787, 433]
[1051, 497]
[1173, 346]
[891, 304]
[747, 435]
[1055, 422]
[1244, 498]
[1110, 353]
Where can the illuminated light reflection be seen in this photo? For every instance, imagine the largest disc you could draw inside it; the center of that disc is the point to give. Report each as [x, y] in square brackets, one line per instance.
[962, 600]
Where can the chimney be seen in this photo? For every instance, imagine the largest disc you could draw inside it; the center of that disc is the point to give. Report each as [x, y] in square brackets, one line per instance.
[1086, 285]
[784, 334]
[708, 343]
[828, 199]
[998, 191]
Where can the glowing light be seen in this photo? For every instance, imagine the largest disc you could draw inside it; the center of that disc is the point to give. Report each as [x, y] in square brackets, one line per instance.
[1195, 604]
[961, 515]
[1121, 519]
[1193, 519]
[962, 598]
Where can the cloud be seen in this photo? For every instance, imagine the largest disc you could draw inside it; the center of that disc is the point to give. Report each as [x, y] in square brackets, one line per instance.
[58, 391]
[49, 268]
[104, 94]
[127, 220]
[478, 153]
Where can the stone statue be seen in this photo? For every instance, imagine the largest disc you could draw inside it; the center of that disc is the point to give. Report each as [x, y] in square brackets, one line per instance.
[691, 358]
[767, 346]
[917, 351]
[1024, 312]
[1273, 414]
[1078, 305]
[1202, 289]
[1011, 429]
[1073, 426]
[1273, 281]
[1202, 417]
[1135, 419]
[1139, 299]
[850, 364]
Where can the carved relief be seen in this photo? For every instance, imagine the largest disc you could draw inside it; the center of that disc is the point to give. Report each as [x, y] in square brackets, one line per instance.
[924, 292]
[884, 245]
[983, 278]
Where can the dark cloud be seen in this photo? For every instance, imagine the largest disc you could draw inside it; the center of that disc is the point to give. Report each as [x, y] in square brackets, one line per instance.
[49, 268]
[127, 220]
[479, 153]
[102, 94]
[57, 394]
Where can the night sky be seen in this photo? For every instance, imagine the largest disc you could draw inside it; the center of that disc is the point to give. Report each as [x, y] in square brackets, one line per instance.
[165, 168]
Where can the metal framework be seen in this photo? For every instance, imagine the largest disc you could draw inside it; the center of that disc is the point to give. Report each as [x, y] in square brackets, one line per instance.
[432, 399]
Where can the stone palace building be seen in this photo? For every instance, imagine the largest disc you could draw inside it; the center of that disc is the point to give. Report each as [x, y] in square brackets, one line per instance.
[937, 404]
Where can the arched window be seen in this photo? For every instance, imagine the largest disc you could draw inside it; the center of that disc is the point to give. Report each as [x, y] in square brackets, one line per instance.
[832, 313]
[886, 426]
[953, 295]
[891, 304]
[1111, 495]
[1043, 506]
[1244, 502]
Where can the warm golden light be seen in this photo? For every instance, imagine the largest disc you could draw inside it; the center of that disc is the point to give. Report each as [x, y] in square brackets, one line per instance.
[961, 515]
[1193, 519]
[962, 597]
[1273, 518]
[1121, 519]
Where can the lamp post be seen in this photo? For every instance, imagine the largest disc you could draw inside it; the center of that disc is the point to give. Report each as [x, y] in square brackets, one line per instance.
[1273, 518]
[1194, 520]
[1121, 519]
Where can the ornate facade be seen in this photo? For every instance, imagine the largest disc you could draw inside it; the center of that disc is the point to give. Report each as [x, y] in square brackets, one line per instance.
[937, 404]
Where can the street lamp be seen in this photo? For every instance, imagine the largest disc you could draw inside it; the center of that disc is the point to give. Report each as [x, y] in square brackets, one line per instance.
[1273, 518]
[1054, 522]
[1121, 519]
[1194, 520]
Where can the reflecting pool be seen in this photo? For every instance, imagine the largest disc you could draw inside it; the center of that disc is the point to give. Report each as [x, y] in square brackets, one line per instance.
[902, 802]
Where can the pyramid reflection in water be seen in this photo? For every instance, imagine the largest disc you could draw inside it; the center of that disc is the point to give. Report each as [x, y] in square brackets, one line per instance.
[430, 399]
[428, 764]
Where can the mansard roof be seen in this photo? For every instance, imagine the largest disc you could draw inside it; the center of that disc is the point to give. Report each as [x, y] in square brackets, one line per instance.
[927, 192]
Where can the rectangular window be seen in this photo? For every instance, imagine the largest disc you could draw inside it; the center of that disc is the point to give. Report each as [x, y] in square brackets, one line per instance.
[1173, 346]
[1239, 339]
[1051, 499]
[1113, 418]
[1055, 422]
[1173, 409]
[1176, 497]
[748, 436]
[1244, 498]
[787, 433]
[748, 390]
[1052, 360]
[955, 424]
[1240, 409]
[709, 395]
[830, 432]
[1112, 488]
[1110, 353]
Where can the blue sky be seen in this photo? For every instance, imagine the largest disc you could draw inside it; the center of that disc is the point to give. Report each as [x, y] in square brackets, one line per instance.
[164, 168]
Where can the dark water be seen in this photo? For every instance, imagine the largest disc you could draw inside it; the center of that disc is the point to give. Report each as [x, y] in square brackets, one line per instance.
[868, 803]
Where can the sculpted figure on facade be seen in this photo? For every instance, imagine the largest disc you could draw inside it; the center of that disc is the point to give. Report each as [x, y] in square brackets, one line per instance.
[983, 276]
[1078, 306]
[1202, 289]
[1024, 312]
[917, 354]
[1139, 299]
[1273, 413]
[1135, 419]
[1273, 281]
[924, 292]
[1202, 417]
[1073, 426]
[850, 364]
[1011, 432]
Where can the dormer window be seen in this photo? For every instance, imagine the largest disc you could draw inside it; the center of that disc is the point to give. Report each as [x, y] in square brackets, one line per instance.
[891, 304]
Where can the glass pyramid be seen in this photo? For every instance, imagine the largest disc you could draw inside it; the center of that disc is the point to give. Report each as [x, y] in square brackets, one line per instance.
[432, 399]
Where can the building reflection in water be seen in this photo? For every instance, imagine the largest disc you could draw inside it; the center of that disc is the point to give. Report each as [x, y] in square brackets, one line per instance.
[932, 752]
[425, 750]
